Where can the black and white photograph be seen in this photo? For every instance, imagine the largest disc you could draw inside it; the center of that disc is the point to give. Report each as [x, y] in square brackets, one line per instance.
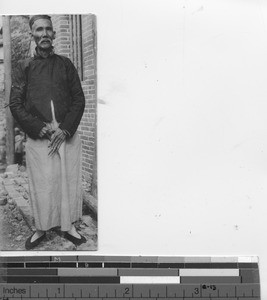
[172, 124]
[48, 160]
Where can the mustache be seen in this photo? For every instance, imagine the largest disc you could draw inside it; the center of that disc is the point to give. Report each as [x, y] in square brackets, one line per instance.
[45, 39]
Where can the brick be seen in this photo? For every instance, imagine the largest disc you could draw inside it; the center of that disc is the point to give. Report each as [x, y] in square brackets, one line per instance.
[64, 21]
[65, 34]
[64, 26]
[85, 165]
[91, 72]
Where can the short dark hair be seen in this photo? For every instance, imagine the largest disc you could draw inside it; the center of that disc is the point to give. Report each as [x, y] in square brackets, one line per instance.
[37, 17]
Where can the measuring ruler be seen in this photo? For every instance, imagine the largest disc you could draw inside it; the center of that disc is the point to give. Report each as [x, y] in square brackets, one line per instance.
[129, 277]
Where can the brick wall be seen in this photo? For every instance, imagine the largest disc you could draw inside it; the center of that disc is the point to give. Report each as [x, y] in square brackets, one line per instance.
[87, 128]
[1, 65]
[1, 76]
[62, 28]
[2, 132]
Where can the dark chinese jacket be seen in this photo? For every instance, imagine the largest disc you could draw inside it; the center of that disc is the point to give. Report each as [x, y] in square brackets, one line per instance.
[39, 80]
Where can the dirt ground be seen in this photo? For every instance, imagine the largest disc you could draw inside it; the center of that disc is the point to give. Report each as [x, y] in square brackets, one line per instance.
[14, 232]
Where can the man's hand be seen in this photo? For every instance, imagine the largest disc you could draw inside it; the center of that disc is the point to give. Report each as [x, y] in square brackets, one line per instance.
[45, 131]
[57, 138]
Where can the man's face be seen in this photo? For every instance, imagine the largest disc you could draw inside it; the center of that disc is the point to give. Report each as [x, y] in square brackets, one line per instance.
[43, 34]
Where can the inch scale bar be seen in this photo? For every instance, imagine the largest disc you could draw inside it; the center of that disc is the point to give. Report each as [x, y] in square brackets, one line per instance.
[109, 291]
[155, 278]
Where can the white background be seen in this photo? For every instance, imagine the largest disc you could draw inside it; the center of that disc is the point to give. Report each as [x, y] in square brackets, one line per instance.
[182, 124]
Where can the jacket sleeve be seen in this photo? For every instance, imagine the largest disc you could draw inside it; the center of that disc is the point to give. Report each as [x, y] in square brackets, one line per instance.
[76, 109]
[29, 123]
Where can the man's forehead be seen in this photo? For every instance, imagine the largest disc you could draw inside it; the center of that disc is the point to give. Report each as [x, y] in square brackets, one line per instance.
[42, 23]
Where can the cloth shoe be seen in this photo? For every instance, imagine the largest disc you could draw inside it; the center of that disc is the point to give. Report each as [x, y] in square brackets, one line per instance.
[30, 245]
[75, 240]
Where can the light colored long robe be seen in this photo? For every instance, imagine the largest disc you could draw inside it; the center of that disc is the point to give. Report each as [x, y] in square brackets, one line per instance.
[55, 183]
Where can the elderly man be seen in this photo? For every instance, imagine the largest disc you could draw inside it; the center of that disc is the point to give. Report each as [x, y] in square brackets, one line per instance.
[47, 101]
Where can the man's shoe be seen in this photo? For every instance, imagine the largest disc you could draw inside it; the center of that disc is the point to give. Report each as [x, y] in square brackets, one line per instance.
[75, 240]
[30, 245]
